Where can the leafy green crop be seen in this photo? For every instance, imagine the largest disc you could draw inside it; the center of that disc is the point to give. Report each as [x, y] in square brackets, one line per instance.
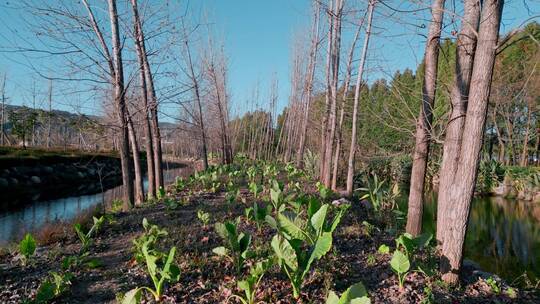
[356, 294]
[295, 259]
[236, 244]
[53, 287]
[204, 217]
[86, 238]
[169, 272]
[400, 265]
[27, 248]
[150, 236]
[250, 284]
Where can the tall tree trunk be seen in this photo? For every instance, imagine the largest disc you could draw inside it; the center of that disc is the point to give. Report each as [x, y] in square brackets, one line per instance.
[473, 132]
[343, 104]
[119, 97]
[49, 116]
[139, 188]
[195, 83]
[147, 111]
[153, 105]
[423, 125]
[308, 87]
[357, 90]
[466, 46]
[331, 130]
[525, 152]
[326, 113]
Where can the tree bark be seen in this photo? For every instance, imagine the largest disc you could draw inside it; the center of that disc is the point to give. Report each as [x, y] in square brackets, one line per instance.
[139, 188]
[326, 113]
[423, 125]
[357, 90]
[119, 97]
[346, 85]
[153, 106]
[466, 46]
[331, 130]
[465, 178]
[144, 96]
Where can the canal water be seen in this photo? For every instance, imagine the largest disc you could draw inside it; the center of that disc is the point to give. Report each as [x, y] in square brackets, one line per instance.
[36, 215]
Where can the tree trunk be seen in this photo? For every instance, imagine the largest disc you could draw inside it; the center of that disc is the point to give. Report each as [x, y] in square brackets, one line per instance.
[352, 148]
[466, 46]
[423, 125]
[144, 95]
[343, 104]
[198, 100]
[473, 131]
[525, 152]
[326, 113]
[331, 130]
[153, 113]
[139, 188]
[121, 109]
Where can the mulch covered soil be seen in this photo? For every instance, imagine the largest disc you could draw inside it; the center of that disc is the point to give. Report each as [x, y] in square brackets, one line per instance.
[206, 278]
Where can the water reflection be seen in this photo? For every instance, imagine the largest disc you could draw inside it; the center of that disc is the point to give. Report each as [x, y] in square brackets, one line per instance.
[14, 224]
[503, 235]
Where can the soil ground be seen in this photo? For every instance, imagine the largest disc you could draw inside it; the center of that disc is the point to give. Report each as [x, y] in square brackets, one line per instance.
[206, 278]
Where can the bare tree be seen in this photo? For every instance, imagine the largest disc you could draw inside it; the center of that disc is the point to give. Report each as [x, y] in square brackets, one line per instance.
[352, 149]
[138, 37]
[465, 178]
[308, 87]
[466, 46]
[423, 125]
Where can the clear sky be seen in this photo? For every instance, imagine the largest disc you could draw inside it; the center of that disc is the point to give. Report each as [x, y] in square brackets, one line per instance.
[258, 35]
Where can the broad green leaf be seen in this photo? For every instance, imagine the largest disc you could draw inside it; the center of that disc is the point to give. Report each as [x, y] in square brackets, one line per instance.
[317, 221]
[322, 246]
[337, 218]
[332, 298]
[132, 297]
[222, 251]
[423, 239]
[400, 263]
[290, 227]
[355, 294]
[284, 252]
[27, 246]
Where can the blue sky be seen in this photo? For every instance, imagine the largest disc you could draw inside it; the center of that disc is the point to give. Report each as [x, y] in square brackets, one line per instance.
[258, 35]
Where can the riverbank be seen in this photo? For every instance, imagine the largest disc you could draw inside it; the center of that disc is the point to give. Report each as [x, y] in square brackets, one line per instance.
[206, 278]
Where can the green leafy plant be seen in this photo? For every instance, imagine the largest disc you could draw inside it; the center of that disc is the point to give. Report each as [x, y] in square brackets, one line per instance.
[160, 193]
[152, 233]
[410, 244]
[383, 249]
[236, 244]
[295, 259]
[86, 237]
[276, 195]
[116, 205]
[494, 285]
[255, 189]
[298, 246]
[400, 265]
[27, 248]
[371, 260]
[250, 284]
[160, 275]
[258, 214]
[324, 191]
[53, 287]
[204, 217]
[356, 294]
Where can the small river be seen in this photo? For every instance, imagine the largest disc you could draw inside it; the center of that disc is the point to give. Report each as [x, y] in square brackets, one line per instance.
[36, 215]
